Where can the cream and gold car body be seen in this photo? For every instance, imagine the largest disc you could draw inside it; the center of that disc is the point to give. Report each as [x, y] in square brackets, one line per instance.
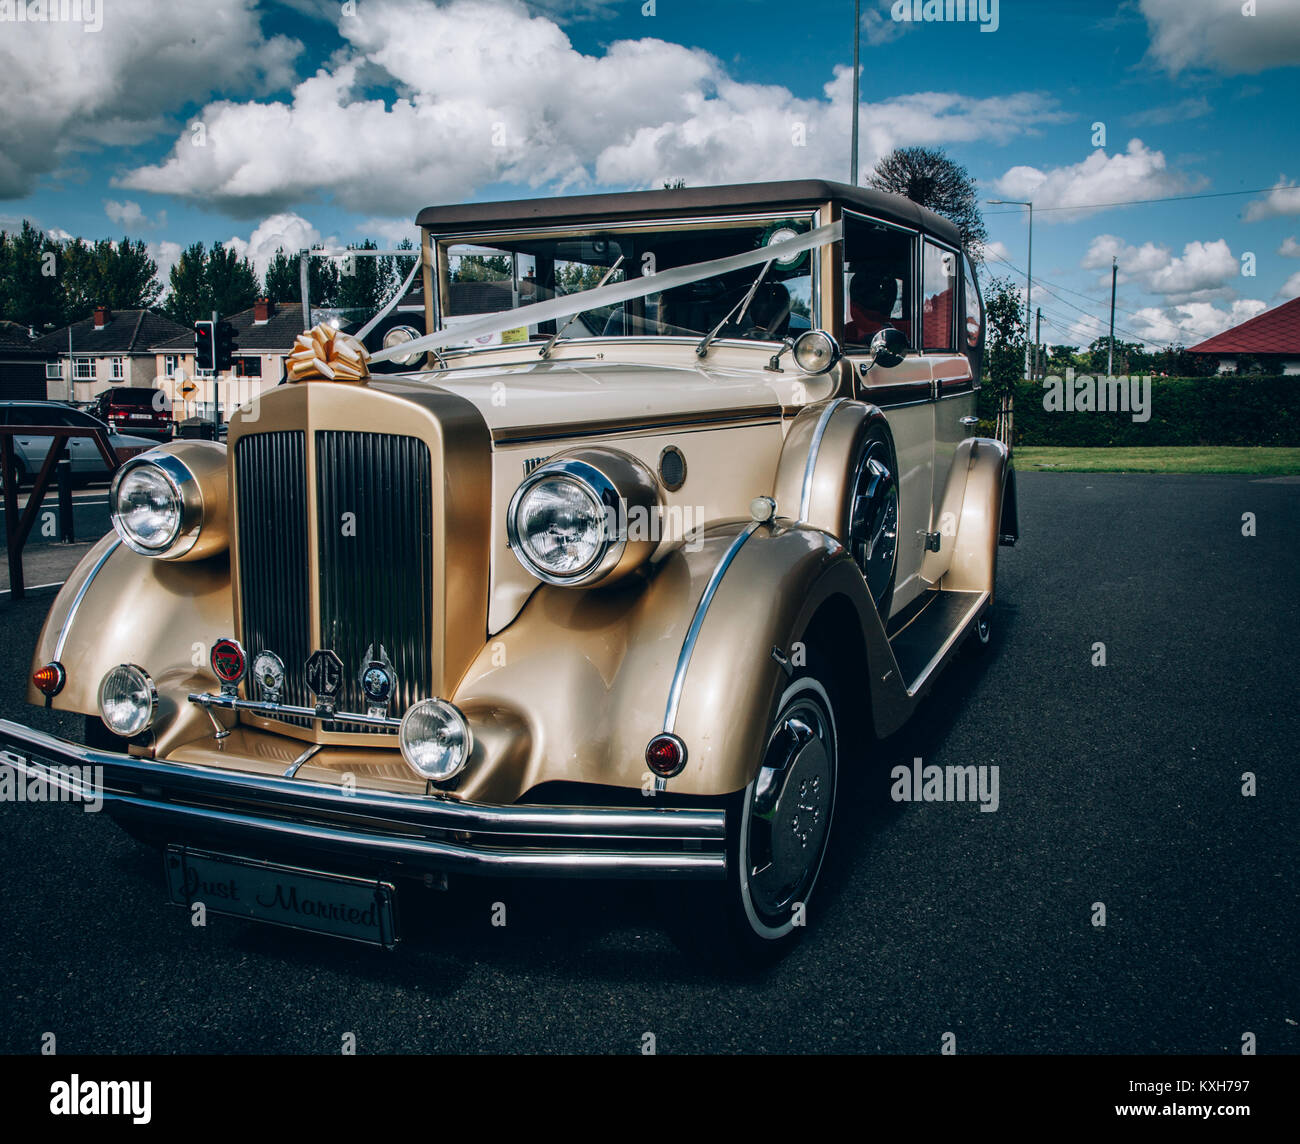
[562, 687]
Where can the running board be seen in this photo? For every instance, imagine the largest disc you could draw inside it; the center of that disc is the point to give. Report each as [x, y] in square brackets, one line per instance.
[923, 634]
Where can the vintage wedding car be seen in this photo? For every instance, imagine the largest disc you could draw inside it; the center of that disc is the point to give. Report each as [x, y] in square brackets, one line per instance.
[673, 505]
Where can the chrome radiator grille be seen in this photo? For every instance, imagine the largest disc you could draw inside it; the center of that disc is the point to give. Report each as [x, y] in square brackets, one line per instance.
[373, 570]
[271, 500]
[375, 520]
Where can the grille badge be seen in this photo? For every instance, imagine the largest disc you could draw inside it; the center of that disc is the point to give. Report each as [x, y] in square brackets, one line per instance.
[378, 681]
[268, 670]
[229, 664]
[325, 679]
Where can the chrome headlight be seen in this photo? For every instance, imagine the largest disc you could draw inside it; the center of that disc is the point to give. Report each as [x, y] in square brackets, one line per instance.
[163, 501]
[589, 516]
[395, 337]
[815, 351]
[128, 700]
[435, 739]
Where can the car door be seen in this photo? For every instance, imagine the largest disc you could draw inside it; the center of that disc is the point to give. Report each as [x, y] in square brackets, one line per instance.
[29, 448]
[85, 454]
[880, 290]
[954, 392]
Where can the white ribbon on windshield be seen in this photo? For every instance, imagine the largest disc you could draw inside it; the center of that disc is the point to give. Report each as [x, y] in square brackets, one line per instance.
[360, 335]
[610, 295]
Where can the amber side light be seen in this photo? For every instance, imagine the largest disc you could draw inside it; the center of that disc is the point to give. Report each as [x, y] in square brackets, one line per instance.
[49, 679]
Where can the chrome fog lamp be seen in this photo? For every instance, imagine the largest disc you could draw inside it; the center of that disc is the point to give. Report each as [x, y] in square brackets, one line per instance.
[395, 337]
[435, 739]
[815, 351]
[128, 700]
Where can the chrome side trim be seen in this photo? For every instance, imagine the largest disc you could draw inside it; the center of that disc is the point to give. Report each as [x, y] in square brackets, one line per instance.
[697, 622]
[81, 595]
[805, 498]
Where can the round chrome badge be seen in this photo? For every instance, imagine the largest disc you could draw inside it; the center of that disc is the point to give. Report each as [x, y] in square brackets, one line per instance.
[268, 671]
[229, 663]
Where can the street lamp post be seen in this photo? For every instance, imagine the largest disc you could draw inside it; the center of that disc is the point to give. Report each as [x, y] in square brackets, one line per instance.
[857, 36]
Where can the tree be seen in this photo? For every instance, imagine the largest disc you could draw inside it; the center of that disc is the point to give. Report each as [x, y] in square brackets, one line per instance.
[361, 281]
[1004, 349]
[120, 275]
[284, 280]
[397, 267]
[1061, 358]
[203, 281]
[31, 266]
[928, 177]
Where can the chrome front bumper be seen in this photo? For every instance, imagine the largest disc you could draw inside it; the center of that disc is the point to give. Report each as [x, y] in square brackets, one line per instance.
[414, 834]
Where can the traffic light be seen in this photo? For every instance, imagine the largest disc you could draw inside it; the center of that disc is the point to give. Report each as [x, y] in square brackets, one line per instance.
[224, 346]
[214, 346]
[204, 347]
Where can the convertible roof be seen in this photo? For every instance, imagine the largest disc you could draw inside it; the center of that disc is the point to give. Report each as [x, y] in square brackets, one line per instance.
[687, 201]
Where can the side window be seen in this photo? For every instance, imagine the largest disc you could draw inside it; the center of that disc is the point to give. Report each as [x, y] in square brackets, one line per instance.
[974, 311]
[938, 289]
[877, 281]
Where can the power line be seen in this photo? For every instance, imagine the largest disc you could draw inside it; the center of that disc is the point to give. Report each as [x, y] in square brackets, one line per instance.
[1140, 202]
[1047, 287]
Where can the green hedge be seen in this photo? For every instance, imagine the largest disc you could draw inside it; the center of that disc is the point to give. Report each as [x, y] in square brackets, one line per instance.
[1228, 410]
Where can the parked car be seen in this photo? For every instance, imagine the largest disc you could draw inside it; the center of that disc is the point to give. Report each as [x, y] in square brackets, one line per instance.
[615, 581]
[141, 412]
[88, 464]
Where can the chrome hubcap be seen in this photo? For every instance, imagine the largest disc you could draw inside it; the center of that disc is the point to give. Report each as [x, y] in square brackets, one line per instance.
[791, 810]
[873, 527]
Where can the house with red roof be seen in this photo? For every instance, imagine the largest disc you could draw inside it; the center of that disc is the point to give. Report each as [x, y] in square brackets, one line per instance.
[1271, 338]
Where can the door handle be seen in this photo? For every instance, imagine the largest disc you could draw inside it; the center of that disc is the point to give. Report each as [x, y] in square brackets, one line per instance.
[968, 421]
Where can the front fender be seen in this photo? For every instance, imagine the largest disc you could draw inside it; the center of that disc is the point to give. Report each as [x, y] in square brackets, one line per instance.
[120, 607]
[590, 675]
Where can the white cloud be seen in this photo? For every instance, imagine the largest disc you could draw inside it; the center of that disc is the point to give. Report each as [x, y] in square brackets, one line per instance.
[1191, 322]
[390, 230]
[288, 232]
[490, 94]
[130, 216]
[1203, 271]
[64, 90]
[1289, 248]
[1283, 199]
[1290, 288]
[1136, 173]
[165, 255]
[1221, 36]
[1193, 107]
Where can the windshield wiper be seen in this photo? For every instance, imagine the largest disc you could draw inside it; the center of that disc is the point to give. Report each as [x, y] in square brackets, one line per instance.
[555, 337]
[737, 311]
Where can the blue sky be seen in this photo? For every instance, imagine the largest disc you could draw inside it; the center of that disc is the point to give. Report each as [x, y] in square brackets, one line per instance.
[325, 121]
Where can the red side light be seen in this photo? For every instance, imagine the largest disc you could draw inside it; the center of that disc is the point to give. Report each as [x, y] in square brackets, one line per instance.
[665, 755]
[50, 679]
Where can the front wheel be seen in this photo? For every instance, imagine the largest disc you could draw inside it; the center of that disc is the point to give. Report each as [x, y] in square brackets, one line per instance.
[778, 828]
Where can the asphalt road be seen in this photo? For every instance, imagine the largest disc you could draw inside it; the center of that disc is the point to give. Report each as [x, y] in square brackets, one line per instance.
[1119, 784]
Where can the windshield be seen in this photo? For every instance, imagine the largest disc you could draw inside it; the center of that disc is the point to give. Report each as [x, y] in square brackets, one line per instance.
[513, 272]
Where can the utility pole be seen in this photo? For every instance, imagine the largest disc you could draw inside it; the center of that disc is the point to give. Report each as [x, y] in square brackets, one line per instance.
[1110, 347]
[857, 37]
[1038, 343]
